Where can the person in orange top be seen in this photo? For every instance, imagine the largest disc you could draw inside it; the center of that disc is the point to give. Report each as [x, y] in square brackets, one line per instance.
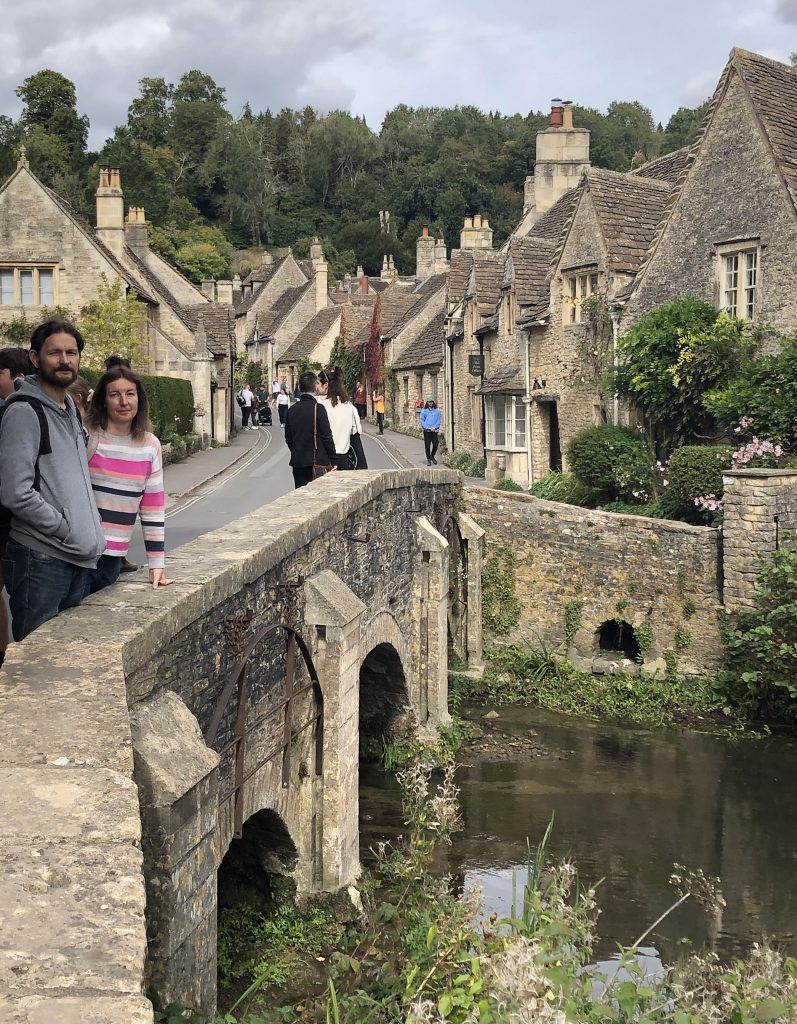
[378, 399]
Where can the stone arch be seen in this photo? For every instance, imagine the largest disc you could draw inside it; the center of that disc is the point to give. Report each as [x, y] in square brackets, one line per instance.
[383, 630]
[266, 848]
[617, 637]
[385, 709]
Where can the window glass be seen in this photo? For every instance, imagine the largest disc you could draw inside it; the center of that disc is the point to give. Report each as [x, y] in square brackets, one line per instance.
[593, 283]
[731, 282]
[26, 287]
[45, 287]
[7, 287]
[750, 279]
[520, 424]
[499, 435]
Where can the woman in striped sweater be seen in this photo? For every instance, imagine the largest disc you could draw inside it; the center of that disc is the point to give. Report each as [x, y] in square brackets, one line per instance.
[126, 470]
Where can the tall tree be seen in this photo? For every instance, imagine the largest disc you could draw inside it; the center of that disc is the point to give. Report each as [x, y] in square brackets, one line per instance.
[50, 105]
[148, 116]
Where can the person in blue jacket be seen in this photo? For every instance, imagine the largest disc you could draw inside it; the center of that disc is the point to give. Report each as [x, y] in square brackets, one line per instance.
[430, 425]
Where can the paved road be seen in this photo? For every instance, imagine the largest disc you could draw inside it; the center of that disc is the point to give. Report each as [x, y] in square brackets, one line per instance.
[257, 480]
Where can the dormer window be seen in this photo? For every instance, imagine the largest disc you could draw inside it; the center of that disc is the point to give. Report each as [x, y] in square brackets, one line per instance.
[578, 287]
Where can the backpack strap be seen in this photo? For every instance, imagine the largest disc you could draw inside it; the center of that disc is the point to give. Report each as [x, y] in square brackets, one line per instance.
[45, 448]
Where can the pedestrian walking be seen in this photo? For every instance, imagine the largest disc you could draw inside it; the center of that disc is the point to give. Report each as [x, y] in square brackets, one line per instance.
[246, 400]
[283, 404]
[430, 421]
[55, 533]
[344, 420]
[126, 471]
[379, 408]
[308, 435]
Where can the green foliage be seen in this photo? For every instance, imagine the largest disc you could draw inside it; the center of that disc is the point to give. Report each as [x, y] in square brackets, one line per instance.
[113, 323]
[653, 509]
[644, 637]
[507, 484]
[171, 405]
[18, 331]
[198, 250]
[516, 675]
[573, 612]
[760, 675]
[672, 358]
[467, 464]
[764, 390]
[500, 606]
[682, 128]
[254, 375]
[614, 461]
[694, 470]
[564, 487]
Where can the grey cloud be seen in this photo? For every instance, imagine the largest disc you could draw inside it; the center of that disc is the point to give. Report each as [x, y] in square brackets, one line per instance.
[786, 10]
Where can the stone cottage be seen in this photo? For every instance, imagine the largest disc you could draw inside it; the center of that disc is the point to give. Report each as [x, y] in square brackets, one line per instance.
[49, 257]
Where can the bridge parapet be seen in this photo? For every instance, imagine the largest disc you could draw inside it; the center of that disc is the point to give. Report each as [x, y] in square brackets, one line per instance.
[372, 541]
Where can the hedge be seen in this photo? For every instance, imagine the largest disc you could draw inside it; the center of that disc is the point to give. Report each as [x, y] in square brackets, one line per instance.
[171, 403]
[694, 471]
[613, 460]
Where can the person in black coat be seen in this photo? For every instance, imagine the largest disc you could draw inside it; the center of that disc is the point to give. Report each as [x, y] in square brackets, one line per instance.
[306, 420]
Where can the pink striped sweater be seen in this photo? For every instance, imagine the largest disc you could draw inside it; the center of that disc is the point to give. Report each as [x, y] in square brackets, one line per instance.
[127, 478]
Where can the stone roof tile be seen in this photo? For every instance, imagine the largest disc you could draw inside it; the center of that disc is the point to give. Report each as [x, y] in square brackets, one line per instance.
[217, 324]
[269, 321]
[488, 272]
[503, 379]
[427, 348]
[311, 334]
[629, 208]
[665, 168]
[459, 274]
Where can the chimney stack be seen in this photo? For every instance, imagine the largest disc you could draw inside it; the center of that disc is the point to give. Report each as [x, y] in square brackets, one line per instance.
[363, 282]
[136, 229]
[424, 255]
[557, 113]
[266, 260]
[476, 233]
[440, 257]
[208, 288]
[562, 157]
[111, 210]
[224, 292]
[320, 275]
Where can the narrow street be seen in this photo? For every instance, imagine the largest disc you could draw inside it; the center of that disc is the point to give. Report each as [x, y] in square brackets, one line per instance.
[260, 477]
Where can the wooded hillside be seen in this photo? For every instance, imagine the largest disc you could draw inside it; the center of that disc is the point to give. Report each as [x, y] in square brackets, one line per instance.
[211, 182]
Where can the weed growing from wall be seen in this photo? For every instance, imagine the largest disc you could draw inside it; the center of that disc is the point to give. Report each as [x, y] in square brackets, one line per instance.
[500, 606]
[573, 613]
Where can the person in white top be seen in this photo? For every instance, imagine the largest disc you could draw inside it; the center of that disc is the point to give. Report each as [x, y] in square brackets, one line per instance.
[283, 402]
[247, 402]
[344, 420]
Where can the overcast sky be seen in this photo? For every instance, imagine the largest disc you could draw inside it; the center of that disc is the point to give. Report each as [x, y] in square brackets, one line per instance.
[507, 55]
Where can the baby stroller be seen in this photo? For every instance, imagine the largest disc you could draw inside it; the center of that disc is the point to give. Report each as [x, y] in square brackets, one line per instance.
[264, 415]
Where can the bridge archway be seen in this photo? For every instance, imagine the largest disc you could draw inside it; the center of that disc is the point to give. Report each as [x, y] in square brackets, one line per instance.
[384, 701]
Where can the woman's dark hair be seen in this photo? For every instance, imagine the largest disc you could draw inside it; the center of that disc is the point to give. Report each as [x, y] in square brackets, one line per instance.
[336, 391]
[50, 327]
[16, 361]
[97, 413]
[115, 360]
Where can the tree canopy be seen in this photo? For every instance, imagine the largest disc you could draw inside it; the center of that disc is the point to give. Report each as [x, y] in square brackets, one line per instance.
[265, 178]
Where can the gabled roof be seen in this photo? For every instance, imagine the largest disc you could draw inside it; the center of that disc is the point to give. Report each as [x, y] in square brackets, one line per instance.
[269, 321]
[772, 87]
[553, 223]
[216, 322]
[395, 306]
[485, 282]
[432, 284]
[459, 274]
[427, 348]
[264, 272]
[528, 264]
[665, 168]
[305, 342]
[356, 324]
[629, 209]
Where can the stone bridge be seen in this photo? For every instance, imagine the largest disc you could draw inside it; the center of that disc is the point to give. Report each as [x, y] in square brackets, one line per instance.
[145, 737]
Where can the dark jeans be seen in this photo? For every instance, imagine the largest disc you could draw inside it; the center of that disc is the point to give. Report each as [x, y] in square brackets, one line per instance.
[302, 475]
[283, 412]
[380, 422]
[362, 410]
[246, 411]
[106, 573]
[431, 439]
[39, 587]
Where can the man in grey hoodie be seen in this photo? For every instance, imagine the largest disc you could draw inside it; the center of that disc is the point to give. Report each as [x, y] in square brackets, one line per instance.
[55, 527]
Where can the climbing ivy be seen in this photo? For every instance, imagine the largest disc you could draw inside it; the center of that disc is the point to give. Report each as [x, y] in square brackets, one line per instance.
[573, 613]
[644, 636]
[500, 606]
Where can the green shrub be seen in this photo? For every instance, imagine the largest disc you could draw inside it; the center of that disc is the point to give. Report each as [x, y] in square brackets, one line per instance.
[760, 677]
[565, 488]
[507, 484]
[171, 402]
[694, 471]
[467, 464]
[613, 460]
[653, 509]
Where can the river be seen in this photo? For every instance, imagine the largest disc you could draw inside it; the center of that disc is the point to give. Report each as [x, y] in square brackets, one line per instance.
[627, 803]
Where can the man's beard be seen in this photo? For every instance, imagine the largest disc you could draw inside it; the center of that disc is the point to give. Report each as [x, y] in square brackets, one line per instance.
[57, 380]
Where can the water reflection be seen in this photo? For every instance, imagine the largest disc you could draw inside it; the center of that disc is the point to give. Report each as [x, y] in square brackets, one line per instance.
[628, 804]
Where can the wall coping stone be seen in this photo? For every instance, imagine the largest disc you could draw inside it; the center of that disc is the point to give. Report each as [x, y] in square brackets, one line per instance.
[666, 525]
[760, 473]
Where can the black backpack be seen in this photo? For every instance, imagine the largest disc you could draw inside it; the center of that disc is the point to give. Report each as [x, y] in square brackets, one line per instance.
[44, 449]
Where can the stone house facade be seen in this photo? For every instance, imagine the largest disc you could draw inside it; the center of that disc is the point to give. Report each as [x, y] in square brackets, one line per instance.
[730, 231]
[49, 257]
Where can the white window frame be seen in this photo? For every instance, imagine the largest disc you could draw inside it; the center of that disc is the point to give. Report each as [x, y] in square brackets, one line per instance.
[739, 273]
[513, 413]
[18, 270]
[577, 285]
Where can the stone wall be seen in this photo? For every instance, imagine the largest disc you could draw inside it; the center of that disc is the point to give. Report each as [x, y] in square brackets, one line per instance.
[733, 191]
[760, 514]
[595, 567]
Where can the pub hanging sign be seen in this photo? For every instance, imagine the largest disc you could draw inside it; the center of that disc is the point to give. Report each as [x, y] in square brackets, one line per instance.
[476, 366]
